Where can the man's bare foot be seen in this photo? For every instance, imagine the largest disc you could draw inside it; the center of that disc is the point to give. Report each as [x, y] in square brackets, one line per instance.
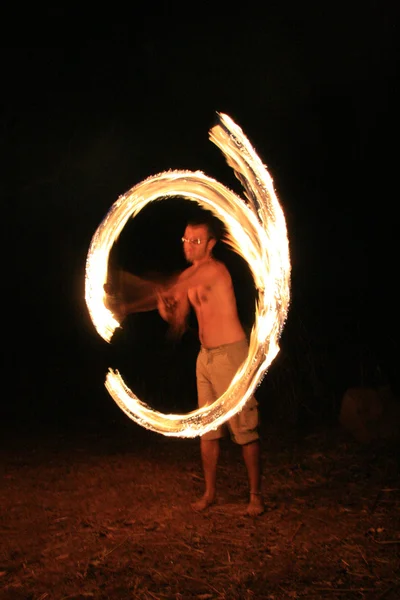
[256, 505]
[202, 503]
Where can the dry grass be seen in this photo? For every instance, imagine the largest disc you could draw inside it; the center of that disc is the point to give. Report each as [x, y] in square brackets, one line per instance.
[106, 515]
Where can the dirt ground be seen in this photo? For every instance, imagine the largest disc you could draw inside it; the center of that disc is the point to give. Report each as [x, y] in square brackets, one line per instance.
[106, 515]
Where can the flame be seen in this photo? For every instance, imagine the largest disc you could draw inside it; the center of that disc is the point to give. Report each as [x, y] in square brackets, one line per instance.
[256, 231]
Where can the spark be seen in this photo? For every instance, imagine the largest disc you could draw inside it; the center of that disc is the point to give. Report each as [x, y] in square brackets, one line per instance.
[256, 231]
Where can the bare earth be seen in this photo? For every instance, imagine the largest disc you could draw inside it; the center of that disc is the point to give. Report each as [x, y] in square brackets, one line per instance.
[107, 516]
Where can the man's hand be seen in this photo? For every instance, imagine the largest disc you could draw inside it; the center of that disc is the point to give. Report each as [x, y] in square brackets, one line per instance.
[174, 313]
[167, 307]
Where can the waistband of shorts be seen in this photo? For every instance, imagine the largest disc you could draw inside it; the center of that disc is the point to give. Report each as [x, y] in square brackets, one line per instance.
[224, 346]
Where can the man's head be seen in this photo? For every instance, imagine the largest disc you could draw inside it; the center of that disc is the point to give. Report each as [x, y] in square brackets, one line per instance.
[199, 239]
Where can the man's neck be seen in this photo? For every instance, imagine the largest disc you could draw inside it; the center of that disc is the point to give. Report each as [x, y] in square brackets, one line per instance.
[201, 261]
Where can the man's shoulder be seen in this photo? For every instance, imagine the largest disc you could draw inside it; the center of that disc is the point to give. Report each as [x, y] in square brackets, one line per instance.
[186, 273]
[214, 268]
[220, 267]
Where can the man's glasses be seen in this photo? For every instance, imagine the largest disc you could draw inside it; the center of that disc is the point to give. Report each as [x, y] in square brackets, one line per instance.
[194, 241]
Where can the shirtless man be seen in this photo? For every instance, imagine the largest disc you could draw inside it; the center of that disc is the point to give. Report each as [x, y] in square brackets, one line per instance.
[207, 286]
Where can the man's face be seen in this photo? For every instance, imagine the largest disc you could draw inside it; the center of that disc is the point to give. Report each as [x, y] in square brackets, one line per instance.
[196, 243]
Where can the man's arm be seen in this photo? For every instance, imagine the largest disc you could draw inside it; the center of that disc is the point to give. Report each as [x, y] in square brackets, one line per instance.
[126, 293]
[121, 309]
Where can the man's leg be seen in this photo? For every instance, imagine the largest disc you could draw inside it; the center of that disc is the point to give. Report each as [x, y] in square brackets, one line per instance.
[209, 456]
[209, 448]
[252, 460]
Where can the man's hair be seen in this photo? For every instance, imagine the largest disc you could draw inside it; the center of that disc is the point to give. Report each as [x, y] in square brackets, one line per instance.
[214, 225]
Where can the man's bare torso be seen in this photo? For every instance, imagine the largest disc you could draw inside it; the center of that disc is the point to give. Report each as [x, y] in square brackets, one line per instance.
[213, 299]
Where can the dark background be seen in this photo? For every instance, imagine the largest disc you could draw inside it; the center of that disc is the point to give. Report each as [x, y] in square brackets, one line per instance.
[315, 91]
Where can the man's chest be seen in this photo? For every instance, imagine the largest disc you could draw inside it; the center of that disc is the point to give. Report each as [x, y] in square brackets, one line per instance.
[200, 295]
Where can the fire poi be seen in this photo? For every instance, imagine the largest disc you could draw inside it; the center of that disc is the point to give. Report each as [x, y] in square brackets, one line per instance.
[256, 230]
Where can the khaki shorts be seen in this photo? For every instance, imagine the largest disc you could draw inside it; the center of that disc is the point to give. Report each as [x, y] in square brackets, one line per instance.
[215, 369]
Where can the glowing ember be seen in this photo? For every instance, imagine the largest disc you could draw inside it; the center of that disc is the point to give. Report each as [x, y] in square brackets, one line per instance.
[256, 231]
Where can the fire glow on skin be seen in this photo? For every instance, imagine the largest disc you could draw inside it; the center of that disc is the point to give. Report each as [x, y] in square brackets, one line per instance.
[256, 231]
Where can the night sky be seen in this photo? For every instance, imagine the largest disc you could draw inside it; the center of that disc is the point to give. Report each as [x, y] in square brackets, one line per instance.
[316, 93]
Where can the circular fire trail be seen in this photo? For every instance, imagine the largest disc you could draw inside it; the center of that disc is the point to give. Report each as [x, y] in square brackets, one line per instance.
[257, 231]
